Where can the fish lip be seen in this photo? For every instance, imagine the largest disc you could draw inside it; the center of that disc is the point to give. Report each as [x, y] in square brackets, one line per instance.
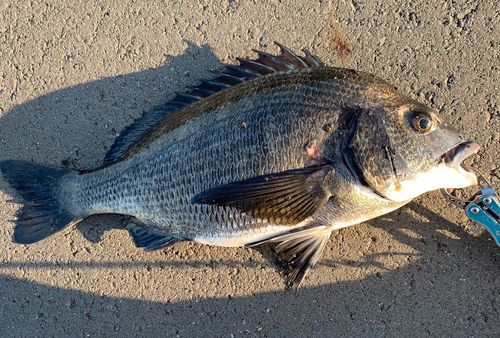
[454, 157]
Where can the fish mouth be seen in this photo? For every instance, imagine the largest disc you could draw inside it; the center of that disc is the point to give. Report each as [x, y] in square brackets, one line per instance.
[454, 157]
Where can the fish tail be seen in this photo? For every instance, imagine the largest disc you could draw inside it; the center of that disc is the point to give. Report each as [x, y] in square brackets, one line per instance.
[43, 214]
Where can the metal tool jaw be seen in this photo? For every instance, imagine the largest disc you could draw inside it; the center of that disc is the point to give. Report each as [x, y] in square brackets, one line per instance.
[483, 207]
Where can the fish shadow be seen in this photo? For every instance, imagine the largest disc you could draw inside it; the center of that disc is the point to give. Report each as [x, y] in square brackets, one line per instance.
[423, 232]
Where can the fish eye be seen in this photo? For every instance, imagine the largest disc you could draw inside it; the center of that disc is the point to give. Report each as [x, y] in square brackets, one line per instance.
[422, 123]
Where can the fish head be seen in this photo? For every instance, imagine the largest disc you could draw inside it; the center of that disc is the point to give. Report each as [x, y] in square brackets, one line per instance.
[403, 150]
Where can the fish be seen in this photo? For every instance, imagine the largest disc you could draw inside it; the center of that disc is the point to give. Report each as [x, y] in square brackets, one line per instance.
[281, 149]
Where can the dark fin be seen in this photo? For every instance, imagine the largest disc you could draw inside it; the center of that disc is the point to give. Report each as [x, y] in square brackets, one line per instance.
[257, 67]
[151, 239]
[42, 214]
[299, 251]
[291, 57]
[230, 76]
[130, 134]
[311, 60]
[287, 197]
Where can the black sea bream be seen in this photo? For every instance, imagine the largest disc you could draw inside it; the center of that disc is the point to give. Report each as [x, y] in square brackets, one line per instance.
[279, 149]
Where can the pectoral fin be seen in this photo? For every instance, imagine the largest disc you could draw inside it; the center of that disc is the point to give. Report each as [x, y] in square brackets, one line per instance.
[287, 197]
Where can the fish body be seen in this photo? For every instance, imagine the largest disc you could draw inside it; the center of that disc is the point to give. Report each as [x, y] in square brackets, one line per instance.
[280, 124]
[280, 149]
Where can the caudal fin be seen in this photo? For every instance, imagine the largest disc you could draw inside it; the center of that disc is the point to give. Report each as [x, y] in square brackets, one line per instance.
[42, 214]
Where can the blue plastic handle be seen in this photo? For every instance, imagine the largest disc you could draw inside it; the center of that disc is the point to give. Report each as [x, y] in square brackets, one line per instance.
[485, 210]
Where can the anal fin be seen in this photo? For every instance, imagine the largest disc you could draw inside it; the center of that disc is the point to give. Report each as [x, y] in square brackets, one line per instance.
[151, 239]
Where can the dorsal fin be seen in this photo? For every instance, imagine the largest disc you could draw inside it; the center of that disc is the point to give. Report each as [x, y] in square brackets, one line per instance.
[230, 76]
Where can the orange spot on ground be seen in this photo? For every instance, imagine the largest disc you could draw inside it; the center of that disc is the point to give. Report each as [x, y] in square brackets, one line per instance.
[339, 44]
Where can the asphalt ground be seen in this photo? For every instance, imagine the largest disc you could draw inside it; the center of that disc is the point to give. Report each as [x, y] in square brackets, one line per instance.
[73, 74]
